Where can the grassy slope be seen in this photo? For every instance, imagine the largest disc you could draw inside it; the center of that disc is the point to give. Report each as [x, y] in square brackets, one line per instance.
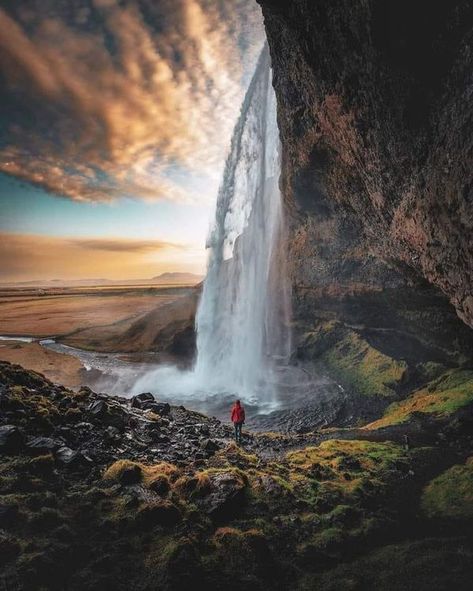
[343, 514]
[442, 397]
[354, 362]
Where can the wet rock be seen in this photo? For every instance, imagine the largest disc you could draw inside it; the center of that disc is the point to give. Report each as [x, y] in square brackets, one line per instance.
[11, 439]
[42, 445]
[225, 496]
[108, 414]
[140, 400]
[70, 458]
[159, 438]
[113, 433]
[204, 429]
[209, 446]
[159, 408]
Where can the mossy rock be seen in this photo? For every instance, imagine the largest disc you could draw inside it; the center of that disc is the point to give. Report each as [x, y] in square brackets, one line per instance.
[345, 471]
[163, 513]
[441, 398]
[242, 559]
[353, 361]
[426, 565]
[450, 495]
[128, 472]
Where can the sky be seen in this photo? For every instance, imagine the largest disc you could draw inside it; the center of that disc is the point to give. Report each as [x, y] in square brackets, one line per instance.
[115, 120]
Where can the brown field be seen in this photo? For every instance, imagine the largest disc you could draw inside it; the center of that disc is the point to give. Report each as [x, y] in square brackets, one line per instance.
[129, 319]
[59, 368]
[62, 312]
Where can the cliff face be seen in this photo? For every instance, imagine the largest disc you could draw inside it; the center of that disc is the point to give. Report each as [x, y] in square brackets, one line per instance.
[374, 108]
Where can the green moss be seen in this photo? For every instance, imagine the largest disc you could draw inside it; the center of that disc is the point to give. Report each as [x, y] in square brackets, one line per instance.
[430, 371]
[427, 565]
[450, 494]
[127, 471]
[441, 397]
[344, 472]
[354, 362]
[328, 538]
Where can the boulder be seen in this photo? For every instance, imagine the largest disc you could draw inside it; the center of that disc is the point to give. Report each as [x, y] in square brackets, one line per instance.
[42, 445]
[11, 439]
[108, 414]
[159, 408]
[140, 399]
[209, 446]
[70, 458]
[226, 495]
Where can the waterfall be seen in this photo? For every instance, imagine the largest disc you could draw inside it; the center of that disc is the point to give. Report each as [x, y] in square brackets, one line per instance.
[242, 320]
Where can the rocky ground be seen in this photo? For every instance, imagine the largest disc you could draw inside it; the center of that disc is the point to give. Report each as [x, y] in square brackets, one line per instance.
[99, 492]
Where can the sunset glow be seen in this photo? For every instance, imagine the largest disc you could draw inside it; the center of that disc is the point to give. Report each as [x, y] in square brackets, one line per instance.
[119, 121]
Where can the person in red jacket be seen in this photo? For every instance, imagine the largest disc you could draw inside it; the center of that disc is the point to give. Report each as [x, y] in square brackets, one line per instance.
[238, 418]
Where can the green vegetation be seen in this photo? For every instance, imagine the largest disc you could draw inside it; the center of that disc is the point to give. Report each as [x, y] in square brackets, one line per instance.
[156, 477]
[451, 493]
[286, 517]
[354, 362]
[432, 564]
[441, 397]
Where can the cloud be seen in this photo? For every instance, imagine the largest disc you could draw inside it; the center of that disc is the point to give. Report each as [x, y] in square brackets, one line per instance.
[121, 245]
[31, 256]
[115, 101]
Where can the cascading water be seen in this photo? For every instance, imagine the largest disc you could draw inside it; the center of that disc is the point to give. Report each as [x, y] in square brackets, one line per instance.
[242, 320]
[243, 317]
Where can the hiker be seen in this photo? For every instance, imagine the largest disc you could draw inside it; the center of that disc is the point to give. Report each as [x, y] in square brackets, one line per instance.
[238, 418]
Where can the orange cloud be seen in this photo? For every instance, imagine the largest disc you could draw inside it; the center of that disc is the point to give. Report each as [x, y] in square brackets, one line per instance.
[111, 122]
[31, 257]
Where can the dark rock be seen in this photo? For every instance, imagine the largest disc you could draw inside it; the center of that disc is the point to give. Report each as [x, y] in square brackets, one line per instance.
[11, 439]
[160, 408]
[375, 245]
[160, 486]
[140, 399]
[131, 475]
[9, 549]
[108, 414]
[225, 496]
[204, 430]
[162, 513]
[41, 445]
[210, 446]
[112, 432]
[8, 514]
[70, 458]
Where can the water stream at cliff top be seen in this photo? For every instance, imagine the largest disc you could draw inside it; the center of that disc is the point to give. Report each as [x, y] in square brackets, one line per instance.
[243, 335]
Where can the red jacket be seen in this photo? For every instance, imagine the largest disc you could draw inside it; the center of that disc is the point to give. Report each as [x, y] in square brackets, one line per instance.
[238, 413]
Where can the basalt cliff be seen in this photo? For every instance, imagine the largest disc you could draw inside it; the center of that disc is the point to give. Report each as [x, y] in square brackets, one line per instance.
[374, 110]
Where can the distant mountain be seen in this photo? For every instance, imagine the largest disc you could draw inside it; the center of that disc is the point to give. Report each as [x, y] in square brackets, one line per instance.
[163, 279]
[187, 278]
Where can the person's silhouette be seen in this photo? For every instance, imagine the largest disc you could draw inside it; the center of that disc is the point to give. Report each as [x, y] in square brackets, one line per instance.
[238, 418]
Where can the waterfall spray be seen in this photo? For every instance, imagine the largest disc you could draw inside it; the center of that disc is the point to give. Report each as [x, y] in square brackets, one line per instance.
[242, 320]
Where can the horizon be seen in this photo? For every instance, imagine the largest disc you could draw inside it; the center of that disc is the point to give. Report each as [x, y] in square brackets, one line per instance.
[180, 278]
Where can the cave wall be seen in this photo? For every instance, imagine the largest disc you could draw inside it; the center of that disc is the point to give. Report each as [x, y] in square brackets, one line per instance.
[374, 109]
